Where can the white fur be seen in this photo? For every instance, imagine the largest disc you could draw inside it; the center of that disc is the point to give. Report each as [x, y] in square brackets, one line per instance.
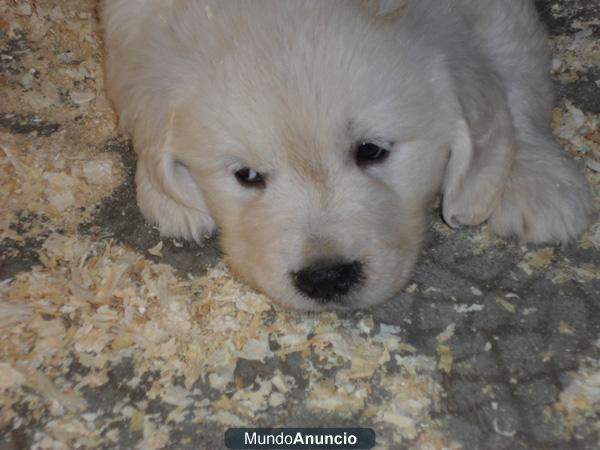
[287, 88]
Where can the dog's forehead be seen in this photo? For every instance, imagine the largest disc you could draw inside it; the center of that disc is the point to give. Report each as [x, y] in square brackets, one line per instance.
[281, 125]
[308, 150]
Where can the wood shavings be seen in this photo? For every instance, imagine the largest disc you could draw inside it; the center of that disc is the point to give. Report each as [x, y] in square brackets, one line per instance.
[475, 291]
[444, 350]
[157, 249]
[80, 98]
[447, 334]
[565, 328]
[70, 401]
[325, 396]
[98, 172]
[51, 139]
[579, 401]
[280, 383]
[540, 258]
[10, 377]
[483, 239]
[406, 409]
[578, 132]
[510, 307]
[469, 308]
[122, 307]
[592, 164]
[365, 362]
[12, 313]
[568, 272]
[256, 349]
[592, 237]
[445, 355]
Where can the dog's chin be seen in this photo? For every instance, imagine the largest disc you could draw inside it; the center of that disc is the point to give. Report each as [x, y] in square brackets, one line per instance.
[368, 295]
[360, 300]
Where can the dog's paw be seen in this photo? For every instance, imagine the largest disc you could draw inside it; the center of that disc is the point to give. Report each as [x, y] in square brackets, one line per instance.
[172, 218]
[545, 200]
[178, 221]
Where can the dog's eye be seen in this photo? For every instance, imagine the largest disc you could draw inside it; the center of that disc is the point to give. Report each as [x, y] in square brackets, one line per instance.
[250, 178]
[368, 153]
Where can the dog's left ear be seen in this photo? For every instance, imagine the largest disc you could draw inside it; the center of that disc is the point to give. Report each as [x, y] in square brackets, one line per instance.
[481, 154]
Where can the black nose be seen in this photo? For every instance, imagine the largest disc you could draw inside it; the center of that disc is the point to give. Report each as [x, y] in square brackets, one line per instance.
[328, 280]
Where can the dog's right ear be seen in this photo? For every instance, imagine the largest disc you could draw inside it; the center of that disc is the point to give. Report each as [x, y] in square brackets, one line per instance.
[167, 192]
[481, 156]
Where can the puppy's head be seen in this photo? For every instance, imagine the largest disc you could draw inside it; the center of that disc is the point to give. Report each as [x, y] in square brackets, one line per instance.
[317, 140]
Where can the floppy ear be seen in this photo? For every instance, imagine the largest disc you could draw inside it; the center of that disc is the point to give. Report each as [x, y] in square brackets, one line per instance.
[141, 85]
[167, 192]
[481, 156]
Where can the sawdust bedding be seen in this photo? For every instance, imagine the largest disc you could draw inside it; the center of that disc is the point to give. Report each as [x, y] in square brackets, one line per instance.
[93, 305]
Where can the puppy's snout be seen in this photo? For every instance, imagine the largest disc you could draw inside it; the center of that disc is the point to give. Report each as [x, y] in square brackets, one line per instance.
[328, 280]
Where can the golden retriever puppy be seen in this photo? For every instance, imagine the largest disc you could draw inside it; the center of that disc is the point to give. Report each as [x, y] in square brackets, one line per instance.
[316, 133]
